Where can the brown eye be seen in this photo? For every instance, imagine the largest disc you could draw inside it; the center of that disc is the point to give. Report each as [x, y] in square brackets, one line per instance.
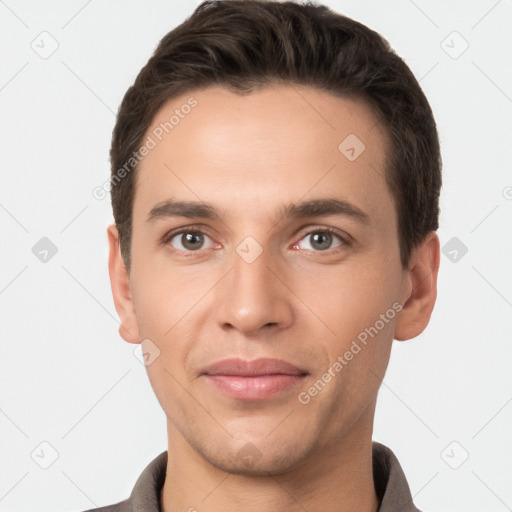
[320, 241]
[190, 241]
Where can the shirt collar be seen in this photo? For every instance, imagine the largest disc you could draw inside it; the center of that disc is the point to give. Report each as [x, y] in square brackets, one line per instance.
[390, 484]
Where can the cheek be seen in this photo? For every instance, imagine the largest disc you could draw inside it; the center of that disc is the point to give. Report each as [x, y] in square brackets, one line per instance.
[162, 298]
[153, 308]
[357, 306]
[171, 309]
[350, 300]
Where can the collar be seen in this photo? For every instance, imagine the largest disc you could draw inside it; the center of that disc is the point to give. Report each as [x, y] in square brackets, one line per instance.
[390, 484]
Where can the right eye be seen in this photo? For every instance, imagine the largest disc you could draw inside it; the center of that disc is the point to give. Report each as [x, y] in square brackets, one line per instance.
[190, 241]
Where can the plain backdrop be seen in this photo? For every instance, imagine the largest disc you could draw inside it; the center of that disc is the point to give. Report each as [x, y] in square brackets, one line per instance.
[74, 397]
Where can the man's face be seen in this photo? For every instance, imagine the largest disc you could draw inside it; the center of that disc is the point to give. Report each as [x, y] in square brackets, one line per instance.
[295, 259]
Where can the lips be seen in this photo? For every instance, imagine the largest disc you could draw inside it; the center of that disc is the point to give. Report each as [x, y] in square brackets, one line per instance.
[242, 368]
[253, 380]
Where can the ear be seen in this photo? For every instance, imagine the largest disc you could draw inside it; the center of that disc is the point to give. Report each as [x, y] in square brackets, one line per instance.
[121, 289]
[420, 289]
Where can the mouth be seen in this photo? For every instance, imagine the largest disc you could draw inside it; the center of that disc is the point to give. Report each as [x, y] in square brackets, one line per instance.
[253, 380]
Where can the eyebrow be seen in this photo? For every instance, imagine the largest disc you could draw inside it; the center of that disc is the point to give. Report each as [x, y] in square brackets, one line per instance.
[328, 206]
[311, 208]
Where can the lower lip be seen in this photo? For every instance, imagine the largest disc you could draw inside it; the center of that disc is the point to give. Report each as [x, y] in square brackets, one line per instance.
[254, 388]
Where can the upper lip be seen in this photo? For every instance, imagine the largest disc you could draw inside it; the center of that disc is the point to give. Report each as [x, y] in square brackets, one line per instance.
[257, 367]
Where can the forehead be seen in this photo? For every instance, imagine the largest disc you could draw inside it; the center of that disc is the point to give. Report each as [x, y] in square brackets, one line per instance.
[275, 145]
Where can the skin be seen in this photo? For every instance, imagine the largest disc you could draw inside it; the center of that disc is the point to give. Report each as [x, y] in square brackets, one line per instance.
[247, 157]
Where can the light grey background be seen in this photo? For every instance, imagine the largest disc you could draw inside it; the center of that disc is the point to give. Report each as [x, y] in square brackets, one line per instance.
[69, 380]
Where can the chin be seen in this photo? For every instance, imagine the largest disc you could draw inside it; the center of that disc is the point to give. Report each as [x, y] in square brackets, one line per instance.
[251, 460]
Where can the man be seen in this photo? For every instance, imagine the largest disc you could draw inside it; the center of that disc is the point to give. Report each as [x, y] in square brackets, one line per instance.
[275, 185]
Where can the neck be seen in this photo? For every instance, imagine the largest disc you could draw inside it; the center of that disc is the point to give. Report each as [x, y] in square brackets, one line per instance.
[338, 477]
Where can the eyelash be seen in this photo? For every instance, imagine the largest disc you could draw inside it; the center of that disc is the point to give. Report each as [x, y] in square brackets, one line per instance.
[346, 240]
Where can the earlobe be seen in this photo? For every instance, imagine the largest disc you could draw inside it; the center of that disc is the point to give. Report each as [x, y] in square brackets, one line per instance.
[420, 289]
[121, 289]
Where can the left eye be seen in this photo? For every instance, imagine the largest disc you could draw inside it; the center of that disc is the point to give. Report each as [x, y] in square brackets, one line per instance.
[190, 241]
[320, 241]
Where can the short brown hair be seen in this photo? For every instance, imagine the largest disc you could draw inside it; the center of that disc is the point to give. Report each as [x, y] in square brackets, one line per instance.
[246, 44]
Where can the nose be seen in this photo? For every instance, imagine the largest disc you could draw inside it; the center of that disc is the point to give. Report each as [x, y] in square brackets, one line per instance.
[253, 297]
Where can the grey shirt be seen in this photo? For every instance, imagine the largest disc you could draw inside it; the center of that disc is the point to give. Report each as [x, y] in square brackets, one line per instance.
[390, 485]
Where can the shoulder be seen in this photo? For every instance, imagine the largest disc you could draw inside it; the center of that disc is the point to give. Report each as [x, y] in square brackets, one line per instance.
[146, 492]
[123, 506]
[390, 482]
